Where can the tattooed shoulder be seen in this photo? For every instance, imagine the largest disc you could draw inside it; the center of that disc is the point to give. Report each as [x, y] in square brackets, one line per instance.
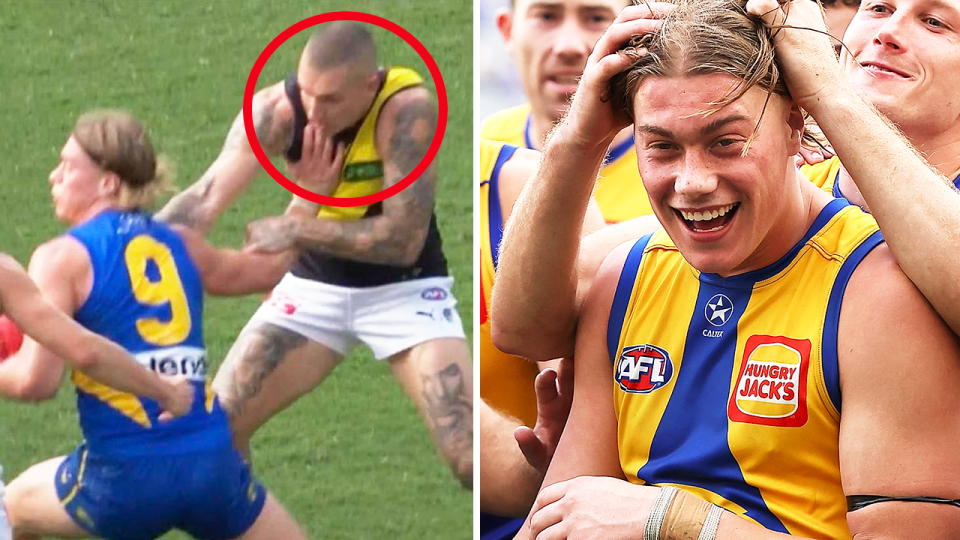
[272, 122]
[409, 129]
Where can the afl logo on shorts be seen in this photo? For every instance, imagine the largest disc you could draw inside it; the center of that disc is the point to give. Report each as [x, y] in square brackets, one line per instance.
[641, 369]
[719, 309]
[434, 293]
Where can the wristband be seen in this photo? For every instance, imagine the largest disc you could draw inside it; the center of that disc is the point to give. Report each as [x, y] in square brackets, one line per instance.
[658, 512]
[709, 530]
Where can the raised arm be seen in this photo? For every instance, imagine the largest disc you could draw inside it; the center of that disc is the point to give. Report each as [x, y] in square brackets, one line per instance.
[236, 167]
[545, 228]
[917, 209]
[396, 236]
[51, 336]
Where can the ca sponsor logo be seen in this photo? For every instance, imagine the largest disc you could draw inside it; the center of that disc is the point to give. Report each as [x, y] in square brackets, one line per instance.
[434, 293]
[771, 387]
[641, 369]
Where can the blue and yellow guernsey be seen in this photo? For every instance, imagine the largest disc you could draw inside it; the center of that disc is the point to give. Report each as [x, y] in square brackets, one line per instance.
[729, 387]
[825, 175]
[506, 381]
[147, 296]
[619, 192]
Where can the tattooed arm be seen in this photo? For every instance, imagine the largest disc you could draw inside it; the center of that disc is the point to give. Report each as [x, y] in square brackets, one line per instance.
[235, 168]
[404, 133]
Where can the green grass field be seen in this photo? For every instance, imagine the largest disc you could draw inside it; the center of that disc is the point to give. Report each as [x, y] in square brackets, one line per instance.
[353, 459]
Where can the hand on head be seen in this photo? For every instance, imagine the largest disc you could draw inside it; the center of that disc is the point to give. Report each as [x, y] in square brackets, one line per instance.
[593, 119]
[803, 47]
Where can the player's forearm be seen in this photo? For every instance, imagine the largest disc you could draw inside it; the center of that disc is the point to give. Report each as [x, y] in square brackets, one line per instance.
[916, 208]
[199, 206]
[508, 484]
[377, 240]
[533, 309]
[110, 364]
[244, 272]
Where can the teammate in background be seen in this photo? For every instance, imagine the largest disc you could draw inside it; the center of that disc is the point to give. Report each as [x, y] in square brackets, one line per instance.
[894, 44]
[550, 42]
[508, 484]
[374, 275]
[700, 368]
[137, 282]
[904, 58]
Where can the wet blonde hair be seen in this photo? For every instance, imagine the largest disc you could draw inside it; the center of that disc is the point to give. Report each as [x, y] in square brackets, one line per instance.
[700, 37]
[119, 143]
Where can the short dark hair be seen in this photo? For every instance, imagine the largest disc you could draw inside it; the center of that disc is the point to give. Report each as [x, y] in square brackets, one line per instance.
[339, 43]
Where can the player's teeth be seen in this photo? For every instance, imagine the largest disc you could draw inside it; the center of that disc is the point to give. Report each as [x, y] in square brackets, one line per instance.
[703, 216]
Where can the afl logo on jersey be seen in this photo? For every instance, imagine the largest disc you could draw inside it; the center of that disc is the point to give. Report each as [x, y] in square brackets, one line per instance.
[434, 293]
[719, 309]
[641, 369]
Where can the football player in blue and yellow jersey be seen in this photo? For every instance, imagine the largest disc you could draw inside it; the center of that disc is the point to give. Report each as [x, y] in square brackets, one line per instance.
[550, 43]
[140, 283]
[899, 60]
[743, 369]
[374, 275]
[44, 325]
[508, 483]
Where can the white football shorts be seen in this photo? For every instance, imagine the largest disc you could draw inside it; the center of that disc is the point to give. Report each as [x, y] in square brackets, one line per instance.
[388, 318]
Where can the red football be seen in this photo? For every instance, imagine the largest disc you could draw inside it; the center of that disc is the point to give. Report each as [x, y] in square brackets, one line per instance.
[11, 338]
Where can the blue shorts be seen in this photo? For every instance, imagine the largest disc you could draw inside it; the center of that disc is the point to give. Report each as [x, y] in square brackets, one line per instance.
[209, 495]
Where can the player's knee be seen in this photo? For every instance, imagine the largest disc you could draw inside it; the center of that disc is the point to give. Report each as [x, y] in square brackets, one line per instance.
[459, 456]
[16, 498]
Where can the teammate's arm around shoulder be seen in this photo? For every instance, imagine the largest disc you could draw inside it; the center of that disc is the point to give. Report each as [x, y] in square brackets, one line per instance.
[236, 166]
[900, 381]
[229, 272]
[61, 268]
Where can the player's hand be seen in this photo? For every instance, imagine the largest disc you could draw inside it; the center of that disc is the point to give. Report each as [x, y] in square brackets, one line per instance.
[179, 399]
[591, 508]
[270, 234]
[320, 162]
[593, 120]
[802, 46]
[554, 397]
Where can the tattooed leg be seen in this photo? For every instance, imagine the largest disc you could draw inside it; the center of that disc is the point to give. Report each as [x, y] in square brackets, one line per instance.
[438, 376]
[266, 370]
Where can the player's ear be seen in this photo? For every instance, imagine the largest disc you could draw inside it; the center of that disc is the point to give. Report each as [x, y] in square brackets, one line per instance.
[504, 18]
[795, 120]
[110, 184]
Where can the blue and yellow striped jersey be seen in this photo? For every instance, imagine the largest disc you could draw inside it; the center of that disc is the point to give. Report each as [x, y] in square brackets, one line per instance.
[619, 192]
[147, 296]
[729, 387]
[506, 381]
[824, 175]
